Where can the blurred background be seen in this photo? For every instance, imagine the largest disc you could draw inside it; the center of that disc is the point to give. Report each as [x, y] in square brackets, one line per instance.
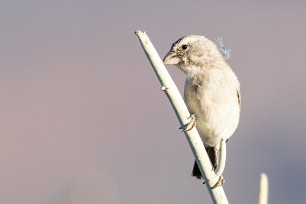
[83, 120]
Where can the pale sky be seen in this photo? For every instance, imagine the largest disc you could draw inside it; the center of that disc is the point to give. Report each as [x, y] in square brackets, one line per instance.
[83, 120]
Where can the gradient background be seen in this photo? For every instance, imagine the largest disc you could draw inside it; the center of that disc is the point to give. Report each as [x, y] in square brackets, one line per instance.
[83, 120]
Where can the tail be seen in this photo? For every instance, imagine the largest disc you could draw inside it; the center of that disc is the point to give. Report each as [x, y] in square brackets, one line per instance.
[211, 154]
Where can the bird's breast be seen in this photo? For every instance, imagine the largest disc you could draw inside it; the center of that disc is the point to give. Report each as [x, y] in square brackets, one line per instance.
[216, 109]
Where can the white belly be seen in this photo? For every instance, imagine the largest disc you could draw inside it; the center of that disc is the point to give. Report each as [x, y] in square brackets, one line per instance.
[217, 112]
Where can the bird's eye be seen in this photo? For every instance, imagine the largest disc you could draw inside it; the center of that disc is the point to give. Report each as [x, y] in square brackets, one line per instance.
[184, 47]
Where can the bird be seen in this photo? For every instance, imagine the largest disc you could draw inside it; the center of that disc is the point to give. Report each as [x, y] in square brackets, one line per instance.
[211, 91]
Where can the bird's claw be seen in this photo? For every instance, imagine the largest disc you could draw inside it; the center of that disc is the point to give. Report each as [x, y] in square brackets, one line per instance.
[191, 124]
[220, 182]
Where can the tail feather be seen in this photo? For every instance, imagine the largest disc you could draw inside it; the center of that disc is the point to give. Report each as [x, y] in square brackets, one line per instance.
[196, 171]
[211, 154]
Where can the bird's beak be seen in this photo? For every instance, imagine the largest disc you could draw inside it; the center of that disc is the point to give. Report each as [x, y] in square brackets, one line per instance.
[171, 58]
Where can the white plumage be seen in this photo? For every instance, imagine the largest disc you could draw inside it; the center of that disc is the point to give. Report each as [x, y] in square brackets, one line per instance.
[212, 90]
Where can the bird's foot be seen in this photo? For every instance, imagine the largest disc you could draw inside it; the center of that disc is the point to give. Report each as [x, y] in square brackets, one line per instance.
[220, 182]
[191, 124]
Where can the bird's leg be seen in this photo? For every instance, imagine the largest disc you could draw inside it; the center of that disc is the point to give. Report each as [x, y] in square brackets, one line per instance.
[216, 158]
[191, 124]
[221, 157]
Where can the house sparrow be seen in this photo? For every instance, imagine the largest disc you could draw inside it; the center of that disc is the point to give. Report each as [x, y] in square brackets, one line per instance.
[212, 90]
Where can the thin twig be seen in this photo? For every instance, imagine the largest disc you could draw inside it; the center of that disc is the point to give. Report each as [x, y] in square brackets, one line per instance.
[263, 189]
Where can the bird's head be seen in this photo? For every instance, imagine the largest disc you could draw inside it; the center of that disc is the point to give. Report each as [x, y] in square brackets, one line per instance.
[192, 53]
